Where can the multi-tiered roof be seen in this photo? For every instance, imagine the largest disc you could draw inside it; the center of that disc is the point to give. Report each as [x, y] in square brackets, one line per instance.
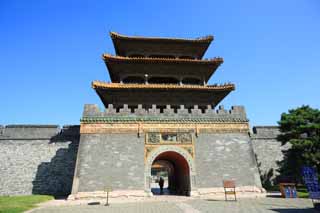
[160, 71]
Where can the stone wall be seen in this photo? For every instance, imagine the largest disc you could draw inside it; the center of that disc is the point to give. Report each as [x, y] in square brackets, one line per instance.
[110, 160]
[268, 151]
[40, 159]
[225, 156]
[37, 159]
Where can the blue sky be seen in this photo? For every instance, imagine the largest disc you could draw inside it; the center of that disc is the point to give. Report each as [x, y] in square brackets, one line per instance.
[51, 51]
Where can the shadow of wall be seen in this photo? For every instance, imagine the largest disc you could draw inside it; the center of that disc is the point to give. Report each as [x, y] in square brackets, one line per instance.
[269, 152]
[55, 177]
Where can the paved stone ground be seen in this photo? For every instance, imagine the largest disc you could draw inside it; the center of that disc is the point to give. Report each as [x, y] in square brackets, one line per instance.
[255, 205]
[260, 205]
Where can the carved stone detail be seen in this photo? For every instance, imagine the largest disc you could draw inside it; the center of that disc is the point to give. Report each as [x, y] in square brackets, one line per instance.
[185, 137]
[169, 138]
[190, 150]
[148, 150]
[153, 138]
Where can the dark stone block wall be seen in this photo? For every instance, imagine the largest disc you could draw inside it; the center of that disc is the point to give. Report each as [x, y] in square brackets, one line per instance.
[225, 156]
[110, 160]
[37, 159]
[268, 151]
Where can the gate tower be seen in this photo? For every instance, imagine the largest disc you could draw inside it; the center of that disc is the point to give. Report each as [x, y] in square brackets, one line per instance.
[159, 108]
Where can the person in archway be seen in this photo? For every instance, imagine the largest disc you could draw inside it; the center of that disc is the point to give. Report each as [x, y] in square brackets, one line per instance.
[161, 183]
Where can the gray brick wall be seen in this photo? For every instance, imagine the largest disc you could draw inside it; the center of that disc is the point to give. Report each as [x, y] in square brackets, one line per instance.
[115, 160]
[225, 156]
[268, 150]
[37, 159]
[40, 159]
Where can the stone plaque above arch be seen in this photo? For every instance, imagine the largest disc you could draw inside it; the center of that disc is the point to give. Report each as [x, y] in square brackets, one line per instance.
[159, 138]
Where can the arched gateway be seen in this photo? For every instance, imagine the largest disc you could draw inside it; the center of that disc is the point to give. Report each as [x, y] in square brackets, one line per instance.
[181, 179]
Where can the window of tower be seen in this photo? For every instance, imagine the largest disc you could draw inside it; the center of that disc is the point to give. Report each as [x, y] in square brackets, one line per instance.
[136, 56]
[163, 80]
[186, 57]
[191, 81]
[162, 56]
[133, 80]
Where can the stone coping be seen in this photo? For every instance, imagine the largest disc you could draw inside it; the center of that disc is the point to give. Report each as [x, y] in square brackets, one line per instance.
[31, 126]
[38, 132]
[38, 126]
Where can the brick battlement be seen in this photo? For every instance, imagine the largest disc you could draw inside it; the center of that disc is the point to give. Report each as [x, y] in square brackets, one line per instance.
[93, 113]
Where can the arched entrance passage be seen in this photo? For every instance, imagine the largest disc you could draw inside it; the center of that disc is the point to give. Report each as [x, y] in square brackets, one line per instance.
[165, 170]
[179, 166]
[176, 172]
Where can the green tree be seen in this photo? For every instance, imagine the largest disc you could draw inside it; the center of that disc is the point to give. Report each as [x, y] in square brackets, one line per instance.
[301, 128]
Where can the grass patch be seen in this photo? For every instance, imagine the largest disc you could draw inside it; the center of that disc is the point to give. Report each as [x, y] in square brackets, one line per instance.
[274, 188]
[302, 192]
[17, 204]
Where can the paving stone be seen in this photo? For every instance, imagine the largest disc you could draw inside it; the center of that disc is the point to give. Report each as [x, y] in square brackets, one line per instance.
[263, 205]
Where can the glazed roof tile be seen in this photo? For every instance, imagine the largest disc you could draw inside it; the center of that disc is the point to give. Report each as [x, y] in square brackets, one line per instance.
[108, 57]
[105, 85]
[205, 39]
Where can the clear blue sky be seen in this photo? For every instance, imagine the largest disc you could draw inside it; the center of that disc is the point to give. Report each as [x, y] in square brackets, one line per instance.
[51, 51]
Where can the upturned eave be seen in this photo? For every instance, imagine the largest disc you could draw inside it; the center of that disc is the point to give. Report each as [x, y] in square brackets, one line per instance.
[134, 66]
[161, 94]
[204, 39]
[128, 45]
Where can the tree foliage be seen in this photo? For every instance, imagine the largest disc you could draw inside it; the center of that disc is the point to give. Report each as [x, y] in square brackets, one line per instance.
[301, 128]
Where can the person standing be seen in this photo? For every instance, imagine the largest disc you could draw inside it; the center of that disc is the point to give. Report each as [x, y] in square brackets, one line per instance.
[161, 183]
